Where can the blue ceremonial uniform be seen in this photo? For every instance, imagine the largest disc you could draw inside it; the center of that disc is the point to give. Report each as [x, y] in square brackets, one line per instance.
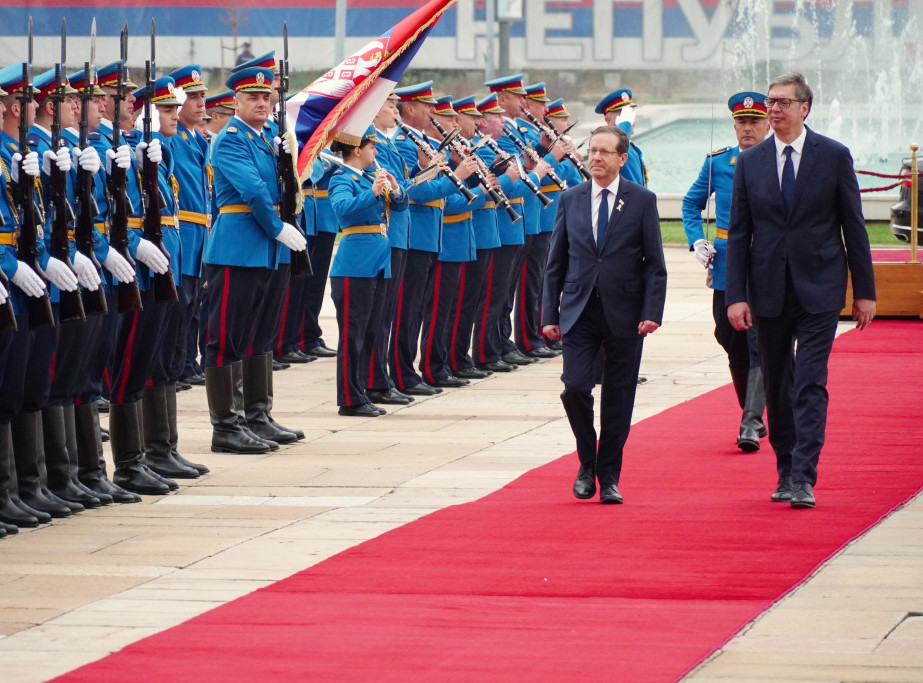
[722, 164]
[189, 152]
[360, 255]
[634, 168]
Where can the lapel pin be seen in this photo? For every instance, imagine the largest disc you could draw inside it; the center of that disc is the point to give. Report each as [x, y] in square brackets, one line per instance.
[621, 204]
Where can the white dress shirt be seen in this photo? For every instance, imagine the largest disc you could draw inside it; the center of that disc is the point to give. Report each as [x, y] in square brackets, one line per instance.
[797, 146]
[596, 195]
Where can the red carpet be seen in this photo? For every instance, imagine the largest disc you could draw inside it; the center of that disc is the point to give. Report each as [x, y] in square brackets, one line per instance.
[530, 583]
[895, 255]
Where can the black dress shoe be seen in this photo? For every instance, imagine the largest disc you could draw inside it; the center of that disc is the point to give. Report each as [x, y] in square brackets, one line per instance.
[473, 373]
[104, 434]
[102, 404]
[542, 352]
[609, 494]
[802, 495]
[183, 386]
[276, 365]
[292, 357]
[422, 389]
[361, 410]
[497, 366]
[195, 380]
[516, 358]
[392, 397]
[321, 351]
[783, 492]
[642, 380]
[585, 483]
[556, 345]
[452, 381]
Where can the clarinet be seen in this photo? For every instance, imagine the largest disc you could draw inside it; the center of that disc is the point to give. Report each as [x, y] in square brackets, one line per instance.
[497, 196]
[535, 189]
[428, 151]
[555, 137]
[533, 157]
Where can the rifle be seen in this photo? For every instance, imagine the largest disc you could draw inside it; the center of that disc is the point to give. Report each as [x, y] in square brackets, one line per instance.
[433, 154]
[129, 295]
[496, 196]
[164, 287]
[532, 156]
[30, 217]
[70, 304]
[94, 303]
[533, 188]
[289, 187]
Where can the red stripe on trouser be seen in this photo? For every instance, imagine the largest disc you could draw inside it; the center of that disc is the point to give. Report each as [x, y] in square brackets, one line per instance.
[371, 382]
[490, 280]
[437, 285]
[397, 325]
[345, 342]
[453, 360]
[223, 317]
[126, 363]
[288, 294]
[523, 295]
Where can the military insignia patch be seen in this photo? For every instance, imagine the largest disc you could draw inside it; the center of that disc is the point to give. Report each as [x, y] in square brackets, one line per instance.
[748, 103]
[231, 129]
[625, 97]
[398, 137]
[260, 78]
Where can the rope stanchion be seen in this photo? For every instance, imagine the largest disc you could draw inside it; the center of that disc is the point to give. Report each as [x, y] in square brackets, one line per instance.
[883, 188]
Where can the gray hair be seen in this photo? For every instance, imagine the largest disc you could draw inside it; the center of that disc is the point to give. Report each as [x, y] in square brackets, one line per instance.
[802, 90]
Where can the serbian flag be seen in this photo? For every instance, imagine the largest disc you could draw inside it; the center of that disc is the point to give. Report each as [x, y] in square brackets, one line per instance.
[344, 100]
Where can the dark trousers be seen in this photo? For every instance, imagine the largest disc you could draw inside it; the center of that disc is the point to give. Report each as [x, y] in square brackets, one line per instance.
[321, 252]
[77, 344]
[741, 347]
[438, 315]
[359, 303]
[266, 331]
[15, 350]
[581, 345]
[235, 296]
[291, 320]
[527, 318]
[92, 383]
[170, 356]
[189, 300]
[471, 287]
[796, 384]
[379, 379]
[485, 344]
[418, 279]
[139, 340]
[512, 287]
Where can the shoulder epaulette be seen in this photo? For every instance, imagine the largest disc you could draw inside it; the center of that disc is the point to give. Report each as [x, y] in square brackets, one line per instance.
[399, 137]
[13, 146]
[33, 139]
[185, 137]
[719, 151]
[94, 135]
[231, 129]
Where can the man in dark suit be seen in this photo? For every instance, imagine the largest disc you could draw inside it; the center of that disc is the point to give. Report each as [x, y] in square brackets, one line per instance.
[795, 204]
[605, 285]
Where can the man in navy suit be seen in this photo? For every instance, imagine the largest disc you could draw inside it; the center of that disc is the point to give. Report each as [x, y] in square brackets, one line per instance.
[605, 285]
[795, 206]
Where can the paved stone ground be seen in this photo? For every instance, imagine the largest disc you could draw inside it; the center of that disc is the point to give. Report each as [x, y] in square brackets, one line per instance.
[77, 589]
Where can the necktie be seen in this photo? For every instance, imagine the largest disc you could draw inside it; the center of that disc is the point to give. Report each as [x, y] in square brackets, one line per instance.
[788, 177]
[602, 219]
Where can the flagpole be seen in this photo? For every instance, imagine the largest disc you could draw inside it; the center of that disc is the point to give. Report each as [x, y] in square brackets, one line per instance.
[339, 30]
[490, 21]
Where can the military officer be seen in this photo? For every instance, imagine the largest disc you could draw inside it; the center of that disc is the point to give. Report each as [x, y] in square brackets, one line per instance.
[220, 108]
[241, 253]
[618, 108]
[751, 125]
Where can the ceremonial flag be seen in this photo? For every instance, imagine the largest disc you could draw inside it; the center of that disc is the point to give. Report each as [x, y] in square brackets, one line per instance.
[344, 100]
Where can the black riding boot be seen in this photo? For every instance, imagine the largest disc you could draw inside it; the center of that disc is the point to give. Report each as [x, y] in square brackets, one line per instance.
[57, 459]
[29, 453]
[257, 377]
[174, 432]
[10, 511]
[225, 396]
[127, 452]
[157, 447]
[752, 420]
[91, 466]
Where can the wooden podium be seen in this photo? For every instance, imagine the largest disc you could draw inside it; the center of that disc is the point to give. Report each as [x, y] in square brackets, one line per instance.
[899, 288]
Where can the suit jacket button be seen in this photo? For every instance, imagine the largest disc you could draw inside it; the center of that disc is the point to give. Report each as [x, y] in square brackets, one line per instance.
[599, 260]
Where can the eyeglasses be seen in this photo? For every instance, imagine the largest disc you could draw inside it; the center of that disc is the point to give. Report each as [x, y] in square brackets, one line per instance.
[783, 102]
[602, 152]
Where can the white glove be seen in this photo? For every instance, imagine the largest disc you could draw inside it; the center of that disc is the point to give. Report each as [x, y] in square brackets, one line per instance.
[121, 157]
[626, 114]
[282, 143]
[87, 275]
[154, 151]
[152, 257]
[61, 159]
[87, 158]
[29, 165]
[116, 264]
[3, 295]
[292, 238]
[704, 251]
[61, 275]
[27, 280]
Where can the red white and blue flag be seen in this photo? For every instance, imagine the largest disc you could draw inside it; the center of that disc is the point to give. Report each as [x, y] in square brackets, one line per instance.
[344, 100]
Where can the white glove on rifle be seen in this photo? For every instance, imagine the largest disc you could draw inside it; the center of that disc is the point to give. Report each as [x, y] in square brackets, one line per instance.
[87, 159]
[282, 143]
[152, 257]
[154, 151]
[3, 295]
[87, 275]
[704, 251]
[116, 264]
[29, 165]
[292, 238]
[61, 159]
[121, 157]
[27, 280]
[61, 275]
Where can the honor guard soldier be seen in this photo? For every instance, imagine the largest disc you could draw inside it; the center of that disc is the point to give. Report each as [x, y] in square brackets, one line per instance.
[380, 387]
[751, 125]
[362, 201]
[242, 251]
[427, 200]
[619, 110]
[220, 108]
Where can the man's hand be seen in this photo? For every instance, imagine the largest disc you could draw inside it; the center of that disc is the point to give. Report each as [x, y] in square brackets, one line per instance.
[61, 275]
[292, 237]
[118, 266]
[647, 327]
[3, 295]
[154, 151]
[87, 275]
[29, 164]
[739, 316]
[120, 158]
[626, 114]
[466, 168]
[704, 251]
[28, 280]
[552, 332]
[863, 310]
[61, 159]
[541, 169]
[87, 159]
[152, 257]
